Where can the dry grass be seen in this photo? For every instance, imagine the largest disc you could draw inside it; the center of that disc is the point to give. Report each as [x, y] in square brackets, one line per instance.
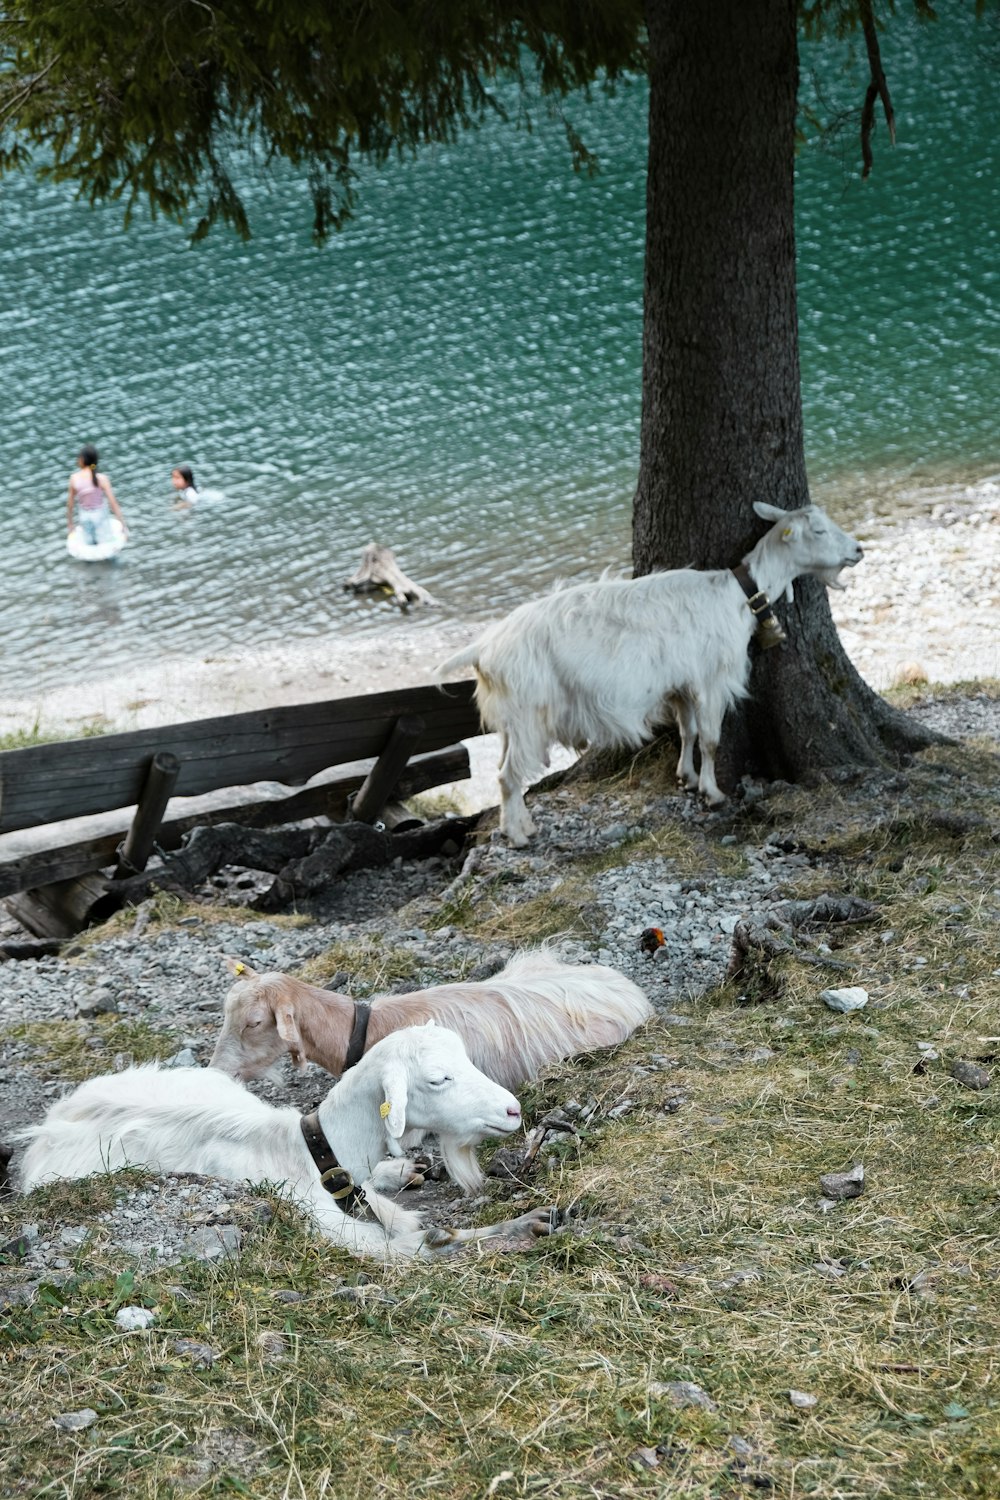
[700, 1251]
[372, 966]
[62, 1050]
[167, 911]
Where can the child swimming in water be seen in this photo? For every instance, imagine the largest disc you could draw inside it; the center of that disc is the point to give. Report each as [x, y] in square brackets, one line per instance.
[182, 479]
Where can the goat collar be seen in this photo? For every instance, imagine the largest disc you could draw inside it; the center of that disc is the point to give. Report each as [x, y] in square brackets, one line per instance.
[336, 1179]
[359, 1034]
[769, 632]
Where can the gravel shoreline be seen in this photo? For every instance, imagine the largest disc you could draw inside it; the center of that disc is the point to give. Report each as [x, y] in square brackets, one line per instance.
[927, 596]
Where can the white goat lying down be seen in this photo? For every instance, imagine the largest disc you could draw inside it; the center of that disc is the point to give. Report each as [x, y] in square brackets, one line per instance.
[598, 664]
[533, 1013]
[198, 1120]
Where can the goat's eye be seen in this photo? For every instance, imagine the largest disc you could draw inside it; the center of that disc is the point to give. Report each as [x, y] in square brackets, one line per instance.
[437, 1083]
[250, 1024]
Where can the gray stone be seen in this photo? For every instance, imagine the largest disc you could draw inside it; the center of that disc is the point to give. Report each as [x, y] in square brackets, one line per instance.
[683, 1393]
[75, 1421]
[185, 1058]
[840, 1185]
[970, 1074]
[100, 1001]
[845, 1000]
[134, 1319]
[202, 1356]
[213, 1242]
[273, 1347]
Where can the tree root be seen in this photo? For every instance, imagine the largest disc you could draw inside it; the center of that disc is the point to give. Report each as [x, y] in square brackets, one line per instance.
[755, 944]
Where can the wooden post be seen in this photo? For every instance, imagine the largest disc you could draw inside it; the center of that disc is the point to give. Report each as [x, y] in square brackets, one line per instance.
[137, 845]
[380, 783]
[395, 818]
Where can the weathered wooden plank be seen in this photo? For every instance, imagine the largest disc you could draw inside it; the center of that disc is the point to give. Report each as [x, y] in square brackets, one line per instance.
[49, 783]
[328, 797]
[60, 910]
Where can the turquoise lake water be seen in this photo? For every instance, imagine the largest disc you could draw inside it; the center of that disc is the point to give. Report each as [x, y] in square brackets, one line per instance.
[458, 373]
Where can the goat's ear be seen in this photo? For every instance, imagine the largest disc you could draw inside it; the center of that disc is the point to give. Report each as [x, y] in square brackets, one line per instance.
[768, 512]
[288, 1030]
[393, 1109]
[239, 968]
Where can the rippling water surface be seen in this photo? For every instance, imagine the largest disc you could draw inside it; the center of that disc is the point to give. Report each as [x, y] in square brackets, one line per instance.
[458, 373]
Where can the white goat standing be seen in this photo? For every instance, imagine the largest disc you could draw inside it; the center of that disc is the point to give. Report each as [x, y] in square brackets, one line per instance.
[535, 1012]
[199, 1120]
[598, 664]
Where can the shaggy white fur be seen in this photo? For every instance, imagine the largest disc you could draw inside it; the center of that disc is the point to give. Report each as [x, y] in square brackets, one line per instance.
[200, 1120]
[600, 664]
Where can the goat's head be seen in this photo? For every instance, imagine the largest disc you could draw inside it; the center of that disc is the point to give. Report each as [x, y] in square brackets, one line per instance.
[816, 544]
[258, 1025]
[429, 1084]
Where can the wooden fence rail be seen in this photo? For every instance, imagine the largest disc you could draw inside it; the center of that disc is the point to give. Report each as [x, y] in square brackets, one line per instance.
[53, 782]
[409, 734]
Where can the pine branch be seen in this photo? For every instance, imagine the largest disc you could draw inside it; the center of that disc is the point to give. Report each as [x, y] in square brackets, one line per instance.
[11, 105]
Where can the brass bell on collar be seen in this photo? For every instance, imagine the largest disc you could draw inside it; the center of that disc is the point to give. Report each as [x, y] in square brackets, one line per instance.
[769, 633]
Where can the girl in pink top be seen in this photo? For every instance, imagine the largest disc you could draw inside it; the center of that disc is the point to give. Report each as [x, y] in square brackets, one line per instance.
[94, 499]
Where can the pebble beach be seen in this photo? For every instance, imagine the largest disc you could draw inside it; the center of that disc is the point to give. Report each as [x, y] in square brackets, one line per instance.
[924, 603]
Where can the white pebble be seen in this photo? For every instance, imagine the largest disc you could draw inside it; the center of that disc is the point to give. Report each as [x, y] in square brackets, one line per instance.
[134, 1319]
[852, 998]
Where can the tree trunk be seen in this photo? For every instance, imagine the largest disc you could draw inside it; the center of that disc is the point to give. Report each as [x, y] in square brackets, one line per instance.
[722, 408]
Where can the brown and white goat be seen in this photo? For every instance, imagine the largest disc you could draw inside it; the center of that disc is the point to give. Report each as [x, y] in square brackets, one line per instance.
[535, 1012]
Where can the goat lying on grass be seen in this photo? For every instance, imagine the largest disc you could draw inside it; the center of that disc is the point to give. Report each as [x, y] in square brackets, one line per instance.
[198, 1120]
[598, 664]
[533, 1013]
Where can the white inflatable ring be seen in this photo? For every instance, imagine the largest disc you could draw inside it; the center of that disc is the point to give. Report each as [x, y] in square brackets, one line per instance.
[96, 551]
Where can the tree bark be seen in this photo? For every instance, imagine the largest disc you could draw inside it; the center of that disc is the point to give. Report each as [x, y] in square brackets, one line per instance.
[722, 409]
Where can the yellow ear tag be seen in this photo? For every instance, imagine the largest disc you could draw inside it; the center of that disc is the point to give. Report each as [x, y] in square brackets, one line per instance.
[384, 1109]
[786, 533]
[239, 968]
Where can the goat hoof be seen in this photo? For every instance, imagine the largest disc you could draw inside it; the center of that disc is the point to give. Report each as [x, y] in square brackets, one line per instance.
[438, 1238]
[541, 1221]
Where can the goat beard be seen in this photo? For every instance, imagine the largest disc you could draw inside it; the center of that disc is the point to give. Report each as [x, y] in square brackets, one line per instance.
[831, 576]
[460, 1164]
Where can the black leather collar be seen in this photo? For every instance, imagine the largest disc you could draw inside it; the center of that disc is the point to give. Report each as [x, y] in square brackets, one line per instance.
[359, 1035]
[769, 631]
[337, 1181]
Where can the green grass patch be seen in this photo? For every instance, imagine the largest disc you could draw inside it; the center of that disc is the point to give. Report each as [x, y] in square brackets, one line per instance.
[63, 1050]
[31, 734]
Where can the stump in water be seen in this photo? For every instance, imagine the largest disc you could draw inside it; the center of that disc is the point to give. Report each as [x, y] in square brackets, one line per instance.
[379, 571]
